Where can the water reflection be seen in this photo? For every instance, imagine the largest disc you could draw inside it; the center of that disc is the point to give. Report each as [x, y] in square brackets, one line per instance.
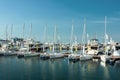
[58, 69]
[117, 65]
[105, 70]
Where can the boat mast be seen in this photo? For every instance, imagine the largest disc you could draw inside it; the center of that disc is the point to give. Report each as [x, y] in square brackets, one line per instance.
[71, 39]
[54, 42]
[44, 39]
[45, 29]
[105, 30]
[83, 37]
[106, 36]
[11, 30]
[23, 30]
[55, 34]
[84, 32]
[72, 31]
[31, 31]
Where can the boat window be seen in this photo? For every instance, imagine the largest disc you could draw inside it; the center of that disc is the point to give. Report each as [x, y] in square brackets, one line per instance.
[94, 48]
[117, 47]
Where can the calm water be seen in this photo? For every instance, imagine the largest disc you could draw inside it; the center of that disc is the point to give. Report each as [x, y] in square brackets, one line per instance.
[12, 68]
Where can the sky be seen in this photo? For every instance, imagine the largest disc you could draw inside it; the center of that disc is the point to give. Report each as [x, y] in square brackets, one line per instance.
[62, 13]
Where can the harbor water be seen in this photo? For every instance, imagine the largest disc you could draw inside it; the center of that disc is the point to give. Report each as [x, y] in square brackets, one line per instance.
[13, 68]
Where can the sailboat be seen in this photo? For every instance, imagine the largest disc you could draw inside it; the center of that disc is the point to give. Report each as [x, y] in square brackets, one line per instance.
[54, 54]
[6, 51]
[105, 58]
[73, 56]
[84, 55]
[44, 55]
[26, 51]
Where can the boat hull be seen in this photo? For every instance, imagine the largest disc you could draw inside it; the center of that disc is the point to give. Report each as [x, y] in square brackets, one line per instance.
[28, 55]
[44, 56]
[74, 57]
[56, 55]
[85, 57]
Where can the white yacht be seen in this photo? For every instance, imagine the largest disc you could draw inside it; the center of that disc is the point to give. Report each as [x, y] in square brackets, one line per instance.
[93, 47]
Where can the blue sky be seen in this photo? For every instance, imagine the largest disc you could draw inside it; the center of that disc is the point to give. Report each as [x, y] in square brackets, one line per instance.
[61, 13]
